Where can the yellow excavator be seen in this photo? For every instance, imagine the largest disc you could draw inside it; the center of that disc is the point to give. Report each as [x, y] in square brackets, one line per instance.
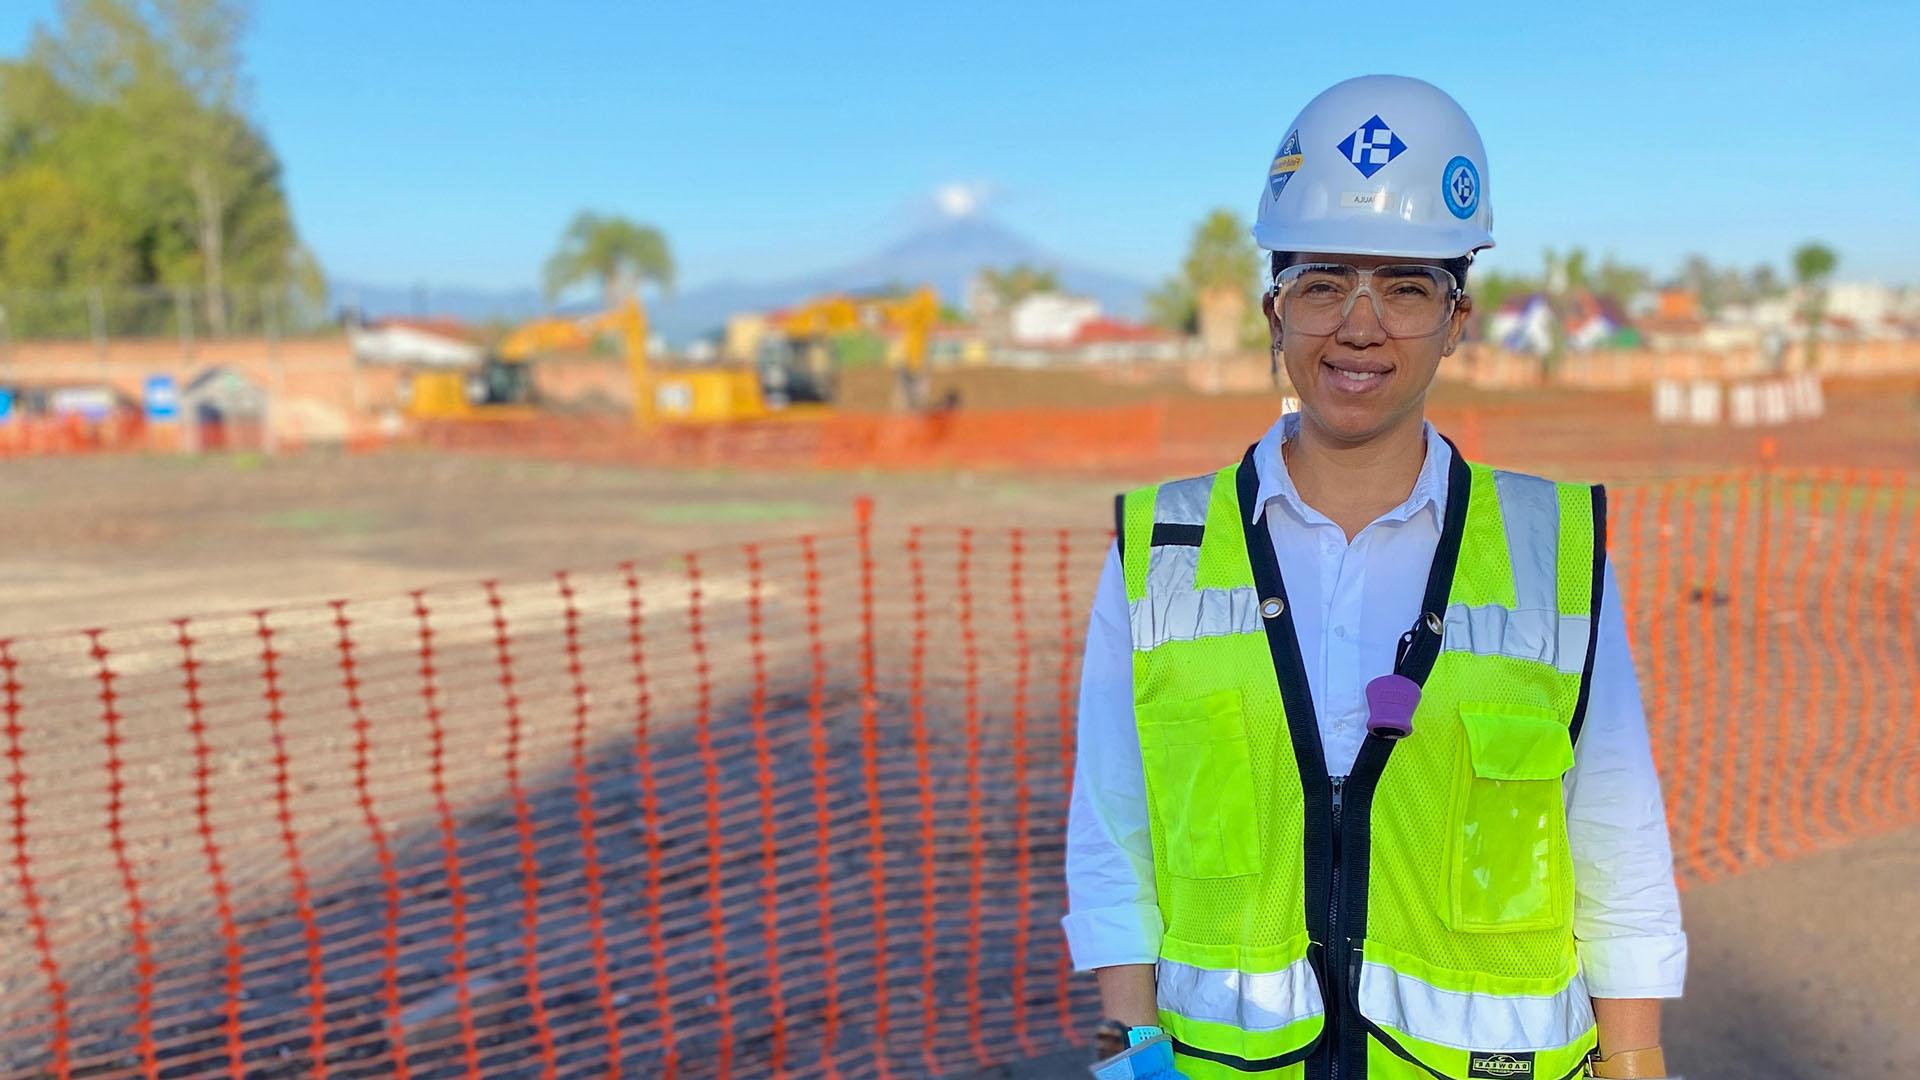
[796, 360]
[795, 369]
[685, 395]
[496, 390]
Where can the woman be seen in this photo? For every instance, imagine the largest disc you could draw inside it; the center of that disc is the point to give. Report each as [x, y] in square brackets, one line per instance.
[1364, 786]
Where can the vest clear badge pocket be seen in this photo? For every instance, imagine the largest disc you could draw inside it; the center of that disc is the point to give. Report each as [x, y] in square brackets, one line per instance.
[1510, 866]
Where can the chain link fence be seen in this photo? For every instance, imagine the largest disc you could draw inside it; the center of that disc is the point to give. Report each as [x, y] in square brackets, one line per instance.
[188, 314]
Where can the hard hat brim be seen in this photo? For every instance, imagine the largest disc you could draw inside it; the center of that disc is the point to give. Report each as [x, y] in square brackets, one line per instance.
[1388, 237]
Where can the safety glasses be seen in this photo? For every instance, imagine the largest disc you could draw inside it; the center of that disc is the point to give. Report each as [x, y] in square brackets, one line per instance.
[1409, 300]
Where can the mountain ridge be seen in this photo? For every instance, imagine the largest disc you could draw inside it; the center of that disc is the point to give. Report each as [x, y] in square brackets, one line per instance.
[945, 255]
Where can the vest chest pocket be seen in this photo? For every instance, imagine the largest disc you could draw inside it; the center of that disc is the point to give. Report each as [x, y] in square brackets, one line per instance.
[1200, 778]
[1509, 863]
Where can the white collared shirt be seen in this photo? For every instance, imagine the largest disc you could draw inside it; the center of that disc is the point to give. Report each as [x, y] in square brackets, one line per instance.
[1350, 603]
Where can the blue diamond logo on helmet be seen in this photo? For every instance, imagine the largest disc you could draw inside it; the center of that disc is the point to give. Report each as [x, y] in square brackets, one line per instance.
[1461, 186]
[1371, 146]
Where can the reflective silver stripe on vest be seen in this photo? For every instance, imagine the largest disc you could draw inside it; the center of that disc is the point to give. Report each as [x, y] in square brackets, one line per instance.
[1467, 1021]
[1528, 634]
[1173, 610]
[1530, 511]
[1265, 1002]
[1183, 502]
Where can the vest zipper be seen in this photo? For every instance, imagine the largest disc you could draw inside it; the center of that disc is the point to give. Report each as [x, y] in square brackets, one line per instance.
[1336, 947]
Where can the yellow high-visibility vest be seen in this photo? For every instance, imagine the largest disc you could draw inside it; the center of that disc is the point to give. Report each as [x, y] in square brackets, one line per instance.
[1413, 919]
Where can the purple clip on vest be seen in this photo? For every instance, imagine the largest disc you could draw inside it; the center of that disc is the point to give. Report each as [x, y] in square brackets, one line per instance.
[1391, 700]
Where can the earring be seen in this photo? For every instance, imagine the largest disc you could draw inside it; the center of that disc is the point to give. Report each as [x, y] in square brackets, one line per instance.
[1273, 354]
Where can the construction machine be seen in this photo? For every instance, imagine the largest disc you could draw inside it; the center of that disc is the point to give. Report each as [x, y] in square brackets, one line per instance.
[682, 395]
[794, 373]
[496, 390]
[796, 360]
[447, 375]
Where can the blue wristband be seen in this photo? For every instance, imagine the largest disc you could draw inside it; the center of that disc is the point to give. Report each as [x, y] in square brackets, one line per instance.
[1149, 1060]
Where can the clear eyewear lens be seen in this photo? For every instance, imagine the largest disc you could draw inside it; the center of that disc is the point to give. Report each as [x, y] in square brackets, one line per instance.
[1409, 300]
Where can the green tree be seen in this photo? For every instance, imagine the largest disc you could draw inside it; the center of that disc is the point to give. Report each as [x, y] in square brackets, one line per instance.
[1010, 285]
[1490, 290]
[1567, 274]
[1222, 271]
[1697, 273]
[1004, 288]
[611, 251]
[137, 107]
[1813, 264]
[1620, 282]
[1764, 282]
[1171, 307]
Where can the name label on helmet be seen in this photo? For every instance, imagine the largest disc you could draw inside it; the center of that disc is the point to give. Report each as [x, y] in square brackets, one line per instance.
[1375, 201]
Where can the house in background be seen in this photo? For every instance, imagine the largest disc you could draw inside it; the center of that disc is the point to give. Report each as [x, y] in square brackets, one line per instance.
[1535, 324]
[1524, 324]
[1593, 321]
[1050, 318]
[221, 409]
[1105, 340]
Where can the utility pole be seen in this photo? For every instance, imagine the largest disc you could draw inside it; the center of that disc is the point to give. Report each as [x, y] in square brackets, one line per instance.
[277, 387]
[6, 345]
[183, 315]
[97, 322]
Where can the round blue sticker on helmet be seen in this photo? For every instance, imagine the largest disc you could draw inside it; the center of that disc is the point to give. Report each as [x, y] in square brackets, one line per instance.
[1461, 186]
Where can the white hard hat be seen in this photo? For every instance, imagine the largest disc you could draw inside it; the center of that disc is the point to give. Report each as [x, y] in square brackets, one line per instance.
[1378, 165]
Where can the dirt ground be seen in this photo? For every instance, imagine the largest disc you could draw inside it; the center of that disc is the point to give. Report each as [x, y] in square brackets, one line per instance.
[108, 541]
[92, 541]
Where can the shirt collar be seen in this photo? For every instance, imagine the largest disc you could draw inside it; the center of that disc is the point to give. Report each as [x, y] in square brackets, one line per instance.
[1429, 488]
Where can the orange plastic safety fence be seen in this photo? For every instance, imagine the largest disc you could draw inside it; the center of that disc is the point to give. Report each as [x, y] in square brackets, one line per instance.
[72, 434]
[792, 807]
[1611, 434]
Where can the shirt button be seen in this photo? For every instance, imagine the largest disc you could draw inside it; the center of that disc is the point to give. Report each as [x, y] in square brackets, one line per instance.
[1340, 632]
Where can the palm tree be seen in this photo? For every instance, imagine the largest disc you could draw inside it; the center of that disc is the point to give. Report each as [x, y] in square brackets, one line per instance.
[1698, 273]
[1567, 274]
[1005, 288]
[1619, 281]
[1015, 283]
[1222, 269]
[1813, 263]
[616, 253]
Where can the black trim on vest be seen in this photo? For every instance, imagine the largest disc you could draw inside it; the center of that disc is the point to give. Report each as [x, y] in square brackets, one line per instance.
[1283, 643]
[1278, 1061]
[1120, 526]
[1170, 534]
[1593, 632]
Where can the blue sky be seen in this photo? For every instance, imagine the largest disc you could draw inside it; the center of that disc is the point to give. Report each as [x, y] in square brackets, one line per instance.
[449, 142]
